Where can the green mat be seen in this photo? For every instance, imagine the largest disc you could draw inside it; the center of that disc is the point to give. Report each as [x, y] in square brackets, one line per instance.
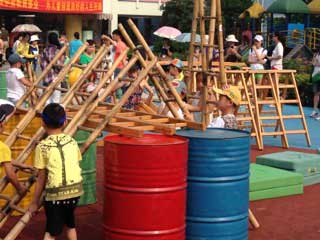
[268, 182]
[276, 192]
[310, 180]
[304, 163]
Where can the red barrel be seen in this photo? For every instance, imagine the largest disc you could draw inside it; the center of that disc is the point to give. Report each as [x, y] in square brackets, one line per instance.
[145, 187]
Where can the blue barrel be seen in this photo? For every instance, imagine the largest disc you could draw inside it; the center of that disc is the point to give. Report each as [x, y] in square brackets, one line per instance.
[218, 184]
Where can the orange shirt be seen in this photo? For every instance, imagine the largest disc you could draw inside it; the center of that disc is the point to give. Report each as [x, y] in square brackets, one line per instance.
[120, 47]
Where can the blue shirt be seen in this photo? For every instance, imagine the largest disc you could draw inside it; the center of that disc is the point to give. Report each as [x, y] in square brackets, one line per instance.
[74, 46]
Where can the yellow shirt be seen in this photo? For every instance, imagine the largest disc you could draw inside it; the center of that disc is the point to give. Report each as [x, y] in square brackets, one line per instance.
[5, 154]
[60, 156]
[23, 50]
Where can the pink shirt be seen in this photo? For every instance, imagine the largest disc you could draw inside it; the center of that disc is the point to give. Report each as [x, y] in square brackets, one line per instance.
[120, 47]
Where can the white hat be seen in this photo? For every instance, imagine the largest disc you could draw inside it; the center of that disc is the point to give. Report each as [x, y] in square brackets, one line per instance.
[231, 38]
[259, 38]
[34, 38]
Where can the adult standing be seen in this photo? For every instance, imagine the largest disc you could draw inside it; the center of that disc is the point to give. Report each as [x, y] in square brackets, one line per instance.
[316, 85]
[46, 57]
[257, 57]
[24, 47]
[167, 49]
[75, 44]
[277, 53]
[232, 51]
[110, 55]
[17, 41]
[34, 49]
[120, 46]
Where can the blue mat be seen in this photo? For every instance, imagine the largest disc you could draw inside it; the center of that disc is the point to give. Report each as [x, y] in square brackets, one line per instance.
[296, 140]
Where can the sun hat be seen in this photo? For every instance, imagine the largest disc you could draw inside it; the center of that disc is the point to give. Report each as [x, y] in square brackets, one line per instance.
[258, 38]
[15, 58]
[231, 38]
[232, 92]
[34, 38]
[177, 63]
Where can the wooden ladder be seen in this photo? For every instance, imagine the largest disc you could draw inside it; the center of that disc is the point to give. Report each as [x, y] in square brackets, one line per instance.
[285, 83]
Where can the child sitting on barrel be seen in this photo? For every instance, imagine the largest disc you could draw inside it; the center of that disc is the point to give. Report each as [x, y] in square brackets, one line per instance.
[59, 174]
[229, 100]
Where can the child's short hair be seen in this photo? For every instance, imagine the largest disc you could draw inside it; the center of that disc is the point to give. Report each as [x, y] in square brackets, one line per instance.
[54, 116]
[133, 69]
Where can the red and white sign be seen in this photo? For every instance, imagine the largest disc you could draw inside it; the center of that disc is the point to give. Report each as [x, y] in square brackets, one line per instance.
[54, 6]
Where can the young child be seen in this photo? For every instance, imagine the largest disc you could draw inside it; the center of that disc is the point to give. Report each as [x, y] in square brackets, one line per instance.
[16, 81]
[57, 160]
[6, 110]
[228, 103]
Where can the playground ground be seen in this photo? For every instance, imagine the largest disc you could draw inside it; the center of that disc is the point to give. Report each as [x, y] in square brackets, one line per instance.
[287, 218]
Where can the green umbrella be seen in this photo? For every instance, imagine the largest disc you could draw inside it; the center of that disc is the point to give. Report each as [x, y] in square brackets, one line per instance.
[289, 6]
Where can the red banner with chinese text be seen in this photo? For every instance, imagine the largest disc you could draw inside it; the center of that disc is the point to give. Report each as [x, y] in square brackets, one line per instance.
[53, 6]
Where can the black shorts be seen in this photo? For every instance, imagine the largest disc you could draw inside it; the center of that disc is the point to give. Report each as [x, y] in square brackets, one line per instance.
[316, 87]
[60, 213]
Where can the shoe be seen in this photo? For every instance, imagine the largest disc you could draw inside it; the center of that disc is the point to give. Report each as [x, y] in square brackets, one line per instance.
[314, 114]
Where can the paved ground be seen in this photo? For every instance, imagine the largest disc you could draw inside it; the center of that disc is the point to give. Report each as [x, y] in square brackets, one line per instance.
[289, 218]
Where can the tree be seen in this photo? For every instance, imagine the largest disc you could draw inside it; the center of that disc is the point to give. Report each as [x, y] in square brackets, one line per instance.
[179, 13]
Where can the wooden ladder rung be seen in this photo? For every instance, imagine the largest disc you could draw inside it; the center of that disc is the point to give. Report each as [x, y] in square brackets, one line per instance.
[287, 86]
[269, 125]
[285, 101]
[18, 136]
[296, 131]
[272, 133]
[18, 209]
[292, 116]
[263, 87]
[260, 102]
[269, 118]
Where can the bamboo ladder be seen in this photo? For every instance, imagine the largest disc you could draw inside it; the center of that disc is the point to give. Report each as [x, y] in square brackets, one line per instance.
[215, 18]
[95, 116]
[279, 94]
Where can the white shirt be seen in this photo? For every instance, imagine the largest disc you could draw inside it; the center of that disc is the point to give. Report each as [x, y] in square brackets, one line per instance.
[5, 102]
[253, 58]
[16, 89]
[217, 122]
[277, 52]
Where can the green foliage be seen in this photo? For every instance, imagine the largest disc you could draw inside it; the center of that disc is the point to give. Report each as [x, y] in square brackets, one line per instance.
[304, 70]
[178, 14]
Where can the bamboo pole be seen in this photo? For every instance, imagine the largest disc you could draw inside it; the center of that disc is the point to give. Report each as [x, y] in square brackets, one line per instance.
[144, 64]
[84, 112]
[42, 76]
[253, 220]
[84, 75]
[118, 106]
[204, 61]
[192, 42]
[32, 112]
[220, 44]
[160, 69]
[212, 28]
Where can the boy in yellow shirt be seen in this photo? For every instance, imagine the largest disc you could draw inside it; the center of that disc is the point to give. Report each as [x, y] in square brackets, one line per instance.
[6, 110]
[59, 174]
